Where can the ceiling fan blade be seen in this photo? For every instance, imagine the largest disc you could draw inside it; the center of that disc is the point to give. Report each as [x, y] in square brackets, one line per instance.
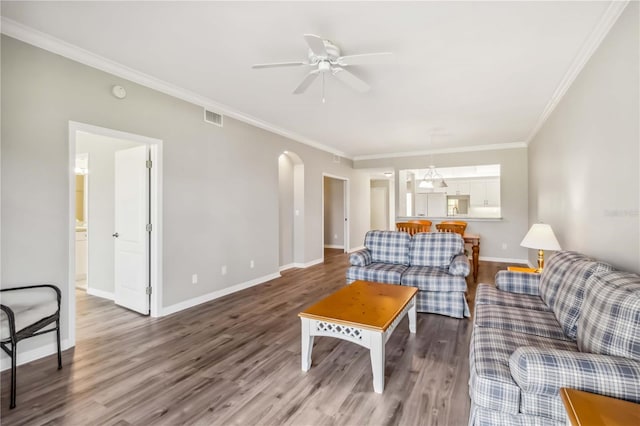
[366, 58]
[316, 45]
[306, 82]
[279, 64]
[350, 80]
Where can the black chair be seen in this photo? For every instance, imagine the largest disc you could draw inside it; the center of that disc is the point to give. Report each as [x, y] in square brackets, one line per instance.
[28, 311]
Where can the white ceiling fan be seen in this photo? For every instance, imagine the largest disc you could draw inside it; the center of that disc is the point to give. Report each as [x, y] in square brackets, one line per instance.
[324, 59]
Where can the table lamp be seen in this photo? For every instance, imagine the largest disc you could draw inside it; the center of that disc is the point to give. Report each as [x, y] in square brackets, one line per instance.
[540, 237]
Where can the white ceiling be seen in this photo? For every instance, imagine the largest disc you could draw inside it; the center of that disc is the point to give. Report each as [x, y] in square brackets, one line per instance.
[479, 73]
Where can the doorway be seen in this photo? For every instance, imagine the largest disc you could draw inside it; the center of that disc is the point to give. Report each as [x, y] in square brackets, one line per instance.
[335, 210]
[121, 220]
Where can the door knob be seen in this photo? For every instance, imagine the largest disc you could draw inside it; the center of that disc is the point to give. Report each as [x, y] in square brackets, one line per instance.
[116, 235]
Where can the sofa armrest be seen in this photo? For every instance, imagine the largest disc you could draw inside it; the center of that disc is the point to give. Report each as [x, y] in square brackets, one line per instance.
[459, 266]
[360, 258]
[545, 371]
[518, 282]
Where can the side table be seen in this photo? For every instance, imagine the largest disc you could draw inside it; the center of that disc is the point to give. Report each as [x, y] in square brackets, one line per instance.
[585, 408]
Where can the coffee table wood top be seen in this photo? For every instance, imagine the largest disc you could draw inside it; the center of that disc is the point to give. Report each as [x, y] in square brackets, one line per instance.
[363, 304]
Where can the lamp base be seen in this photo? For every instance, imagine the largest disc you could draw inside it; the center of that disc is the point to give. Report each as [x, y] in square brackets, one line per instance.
[540, 261]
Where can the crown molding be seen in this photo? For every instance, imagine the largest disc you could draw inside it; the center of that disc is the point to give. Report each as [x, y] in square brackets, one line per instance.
[52, 44]
[491, 147]
[592, 42]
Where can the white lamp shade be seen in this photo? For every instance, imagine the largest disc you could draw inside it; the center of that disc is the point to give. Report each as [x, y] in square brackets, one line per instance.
[540, 237]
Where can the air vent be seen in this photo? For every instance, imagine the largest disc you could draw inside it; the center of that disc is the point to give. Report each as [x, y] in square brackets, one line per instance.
[212, 117]
[336, 159]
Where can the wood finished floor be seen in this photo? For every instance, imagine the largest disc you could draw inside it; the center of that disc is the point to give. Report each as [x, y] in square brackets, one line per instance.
[236, 361]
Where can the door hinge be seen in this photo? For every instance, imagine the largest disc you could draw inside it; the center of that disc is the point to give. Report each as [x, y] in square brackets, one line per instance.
[148, 291]
[149, 227]
[149, 163]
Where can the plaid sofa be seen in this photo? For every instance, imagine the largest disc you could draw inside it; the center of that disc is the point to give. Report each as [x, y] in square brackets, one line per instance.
[576, 325]
[433, 262]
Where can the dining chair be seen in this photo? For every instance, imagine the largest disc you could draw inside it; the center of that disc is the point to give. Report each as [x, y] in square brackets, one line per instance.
[412, 228]
[451, 227]
[456, 222]
[426, 223]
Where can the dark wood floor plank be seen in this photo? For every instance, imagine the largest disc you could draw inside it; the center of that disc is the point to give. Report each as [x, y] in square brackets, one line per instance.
[236, 361]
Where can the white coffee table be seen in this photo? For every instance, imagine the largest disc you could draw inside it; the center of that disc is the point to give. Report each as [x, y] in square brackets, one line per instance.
[364, 313]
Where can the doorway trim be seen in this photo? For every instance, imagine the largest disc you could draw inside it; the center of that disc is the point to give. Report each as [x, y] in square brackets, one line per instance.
[155, 192]
[345, 183]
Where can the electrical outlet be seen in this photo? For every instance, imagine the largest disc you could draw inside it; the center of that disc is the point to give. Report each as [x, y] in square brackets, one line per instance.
[251, 264]
[504, 246]
[224, 270]
[194, 279]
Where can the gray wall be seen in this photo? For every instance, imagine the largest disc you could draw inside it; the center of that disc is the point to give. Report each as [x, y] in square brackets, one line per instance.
[513, 195]
[333, 212]
[220, 193]
[584, 178]
[101, 181]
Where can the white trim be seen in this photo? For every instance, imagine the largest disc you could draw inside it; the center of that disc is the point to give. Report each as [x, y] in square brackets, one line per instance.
[52, 44]
[34, 354]
[302, 265]
[351, 250]
[287, 266]
[602, 28]
[216, 294]
[503, 259]
[334, 246]
[491, 147]
[155, 278]
[101, 293]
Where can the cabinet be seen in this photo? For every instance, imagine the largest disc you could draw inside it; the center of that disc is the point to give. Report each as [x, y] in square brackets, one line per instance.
[485, 193]
[431, 205]
[458, 187]
[81, 255]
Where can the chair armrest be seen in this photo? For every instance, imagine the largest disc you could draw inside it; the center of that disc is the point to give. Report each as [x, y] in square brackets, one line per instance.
[518, 282]
[360, 258]
[459, 266]
[545, 371]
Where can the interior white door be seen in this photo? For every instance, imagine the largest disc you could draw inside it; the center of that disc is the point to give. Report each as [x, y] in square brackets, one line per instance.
[131, 237]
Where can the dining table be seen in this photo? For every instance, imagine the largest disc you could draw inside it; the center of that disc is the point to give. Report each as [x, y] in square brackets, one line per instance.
[474, 240]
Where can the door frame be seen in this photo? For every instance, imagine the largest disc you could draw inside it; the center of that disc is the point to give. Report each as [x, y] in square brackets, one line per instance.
[155, 193]
[345, 191]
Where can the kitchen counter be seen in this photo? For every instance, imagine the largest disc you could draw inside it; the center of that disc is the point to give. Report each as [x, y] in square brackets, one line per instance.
[456, 217]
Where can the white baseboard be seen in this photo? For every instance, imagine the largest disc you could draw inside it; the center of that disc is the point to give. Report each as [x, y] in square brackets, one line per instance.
[33, 354]
[351, 250]
[101, 293]
[334, 246]
[168, 310]
[287, 266]
[312, 262]
[503, 260]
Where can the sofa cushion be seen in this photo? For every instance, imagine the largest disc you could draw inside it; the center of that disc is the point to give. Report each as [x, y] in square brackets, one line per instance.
[610, 320]
[376, 272]
[434, 248]
[388, 247]
[529, 321]
[487, 294]
[554, 271]
[570, 275]
[433, 279]
[490, 384]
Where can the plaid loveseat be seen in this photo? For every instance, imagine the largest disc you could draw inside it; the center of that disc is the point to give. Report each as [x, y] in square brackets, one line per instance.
[576, 325]
[433, 262]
